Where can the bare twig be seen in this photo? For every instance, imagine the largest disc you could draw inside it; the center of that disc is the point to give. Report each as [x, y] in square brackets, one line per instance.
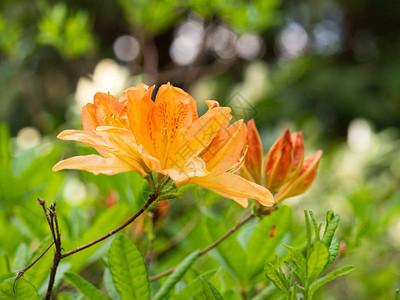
[209, 248]
[57, 254]
[22, 272]
[152, 198]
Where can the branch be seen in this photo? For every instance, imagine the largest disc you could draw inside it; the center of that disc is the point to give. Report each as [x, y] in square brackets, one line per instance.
[22, 272]
[209, 248]
[152, 198]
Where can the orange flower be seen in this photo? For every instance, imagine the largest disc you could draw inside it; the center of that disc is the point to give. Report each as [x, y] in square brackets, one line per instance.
[166, 136]
[285, 170]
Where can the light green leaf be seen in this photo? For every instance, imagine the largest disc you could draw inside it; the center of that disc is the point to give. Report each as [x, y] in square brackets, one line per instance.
[317, 228]
[298, 259]
[21, 258]
[85, 287]
[177, 275]
[272, 274]
[330, 276]
[262, 247]
[23, 290]
[109, 285]
[210, 291]
[317, 261]
[128, 269]
[330, 230]
[194, 288]
[397, 295]
[309, 233]
[297, 271]
[333, 251]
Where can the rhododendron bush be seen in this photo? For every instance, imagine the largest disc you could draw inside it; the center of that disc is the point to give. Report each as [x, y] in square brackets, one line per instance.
[169, 146]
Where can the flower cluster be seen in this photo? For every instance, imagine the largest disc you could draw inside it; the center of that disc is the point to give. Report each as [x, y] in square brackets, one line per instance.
[286, 173]
[135, 133]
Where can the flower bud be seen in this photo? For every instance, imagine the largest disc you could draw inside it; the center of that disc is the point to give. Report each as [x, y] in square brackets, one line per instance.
[278, 164]
[254, 156]
[302, 181]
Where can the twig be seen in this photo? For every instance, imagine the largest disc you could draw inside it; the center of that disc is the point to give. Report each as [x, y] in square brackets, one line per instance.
[209, 248]
[57, 254]
[152, 198]
[22, 272]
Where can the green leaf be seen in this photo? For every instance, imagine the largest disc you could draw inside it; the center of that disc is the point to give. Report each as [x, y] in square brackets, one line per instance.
[194, 288]
[262, 247]
[21, 258]
[316, 227]
[293, 292]
[109, 285]
[210, 291]
[333, 251]
[317, 261]
[299, 260]
[128, 269]
[330, 276]
[23, 290]
[397, 295]
[272, 274]
[229, 253]
[330, 230]
[297, 271]
[178, 273]
[85, 287]
[308, 227]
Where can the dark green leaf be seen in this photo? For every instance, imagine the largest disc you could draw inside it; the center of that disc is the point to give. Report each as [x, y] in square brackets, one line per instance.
[128, 269]
[85, 287]
[333, 251]
[298, 259]
[177, 275]
[330, 276]
[210, 291]
[317, 261]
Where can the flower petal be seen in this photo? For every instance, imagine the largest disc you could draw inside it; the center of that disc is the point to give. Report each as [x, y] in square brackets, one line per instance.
[303, 181]
[226, 148]
[254, 156]
[234, 187]
[95, 164]
[279, 162]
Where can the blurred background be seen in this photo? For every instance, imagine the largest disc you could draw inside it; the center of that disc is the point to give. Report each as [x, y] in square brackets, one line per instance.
[328, 68]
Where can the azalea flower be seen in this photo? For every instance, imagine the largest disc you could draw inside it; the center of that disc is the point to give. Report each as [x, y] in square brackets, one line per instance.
[134, 133]
[286, 173]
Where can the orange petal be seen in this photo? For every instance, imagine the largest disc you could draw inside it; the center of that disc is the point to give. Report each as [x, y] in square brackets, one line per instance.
[279, 162]
[298, 154]
[303, 181]
[226, 148]
[95, 164]
[106, 110]
[201, 133]
[234, 187]
[174, 111]
[254, 156]
[184, 170]
[140, 108]
[212, 104]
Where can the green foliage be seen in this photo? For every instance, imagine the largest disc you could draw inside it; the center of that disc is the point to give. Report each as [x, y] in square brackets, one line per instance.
[66, 31]
[86, 288]
[320, 255]
[210, 291]
[23, 290]
[128, 269]
[177, 274]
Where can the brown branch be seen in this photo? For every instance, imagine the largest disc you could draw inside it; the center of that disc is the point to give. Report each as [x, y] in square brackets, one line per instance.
[57, 254]
[209, 248]
[152, 198]
[22, 272]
